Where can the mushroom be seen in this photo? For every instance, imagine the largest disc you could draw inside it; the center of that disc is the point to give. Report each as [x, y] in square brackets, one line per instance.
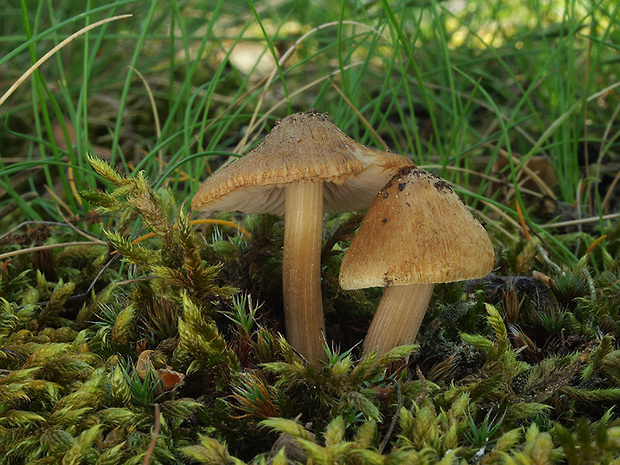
[303, 167]
[417, 232]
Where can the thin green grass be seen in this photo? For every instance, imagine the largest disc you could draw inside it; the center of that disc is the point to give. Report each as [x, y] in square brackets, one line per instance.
[450, 88]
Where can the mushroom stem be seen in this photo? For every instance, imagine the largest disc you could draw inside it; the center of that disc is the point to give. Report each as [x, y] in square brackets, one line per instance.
[398, 317]
[301, 268]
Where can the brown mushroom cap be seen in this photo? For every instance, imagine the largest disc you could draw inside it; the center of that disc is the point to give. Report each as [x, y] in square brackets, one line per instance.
[416, 231]
[301, 146]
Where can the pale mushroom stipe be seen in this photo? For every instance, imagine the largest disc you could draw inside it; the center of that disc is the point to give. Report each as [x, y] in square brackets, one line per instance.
[417, 232]
[304, 167]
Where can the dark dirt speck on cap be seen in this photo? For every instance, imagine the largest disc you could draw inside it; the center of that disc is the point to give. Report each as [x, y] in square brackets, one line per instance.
[442, 185]
[401, 185]
[405, 172]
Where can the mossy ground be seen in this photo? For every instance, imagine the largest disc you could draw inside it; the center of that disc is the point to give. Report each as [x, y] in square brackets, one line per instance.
[510, 368]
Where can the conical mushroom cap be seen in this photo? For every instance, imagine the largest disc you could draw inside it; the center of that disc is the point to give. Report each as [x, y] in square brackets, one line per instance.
[301, 146]
[416, 231]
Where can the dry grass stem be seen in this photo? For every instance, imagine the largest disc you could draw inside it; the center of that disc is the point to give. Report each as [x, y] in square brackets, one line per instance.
[49, 54]
[149, 93]
[15, 253]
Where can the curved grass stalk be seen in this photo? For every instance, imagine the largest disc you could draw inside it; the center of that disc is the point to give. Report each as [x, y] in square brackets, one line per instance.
[55, 49]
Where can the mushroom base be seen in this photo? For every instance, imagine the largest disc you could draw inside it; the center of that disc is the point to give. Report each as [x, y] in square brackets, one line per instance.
[301, 269]
[398, 317]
